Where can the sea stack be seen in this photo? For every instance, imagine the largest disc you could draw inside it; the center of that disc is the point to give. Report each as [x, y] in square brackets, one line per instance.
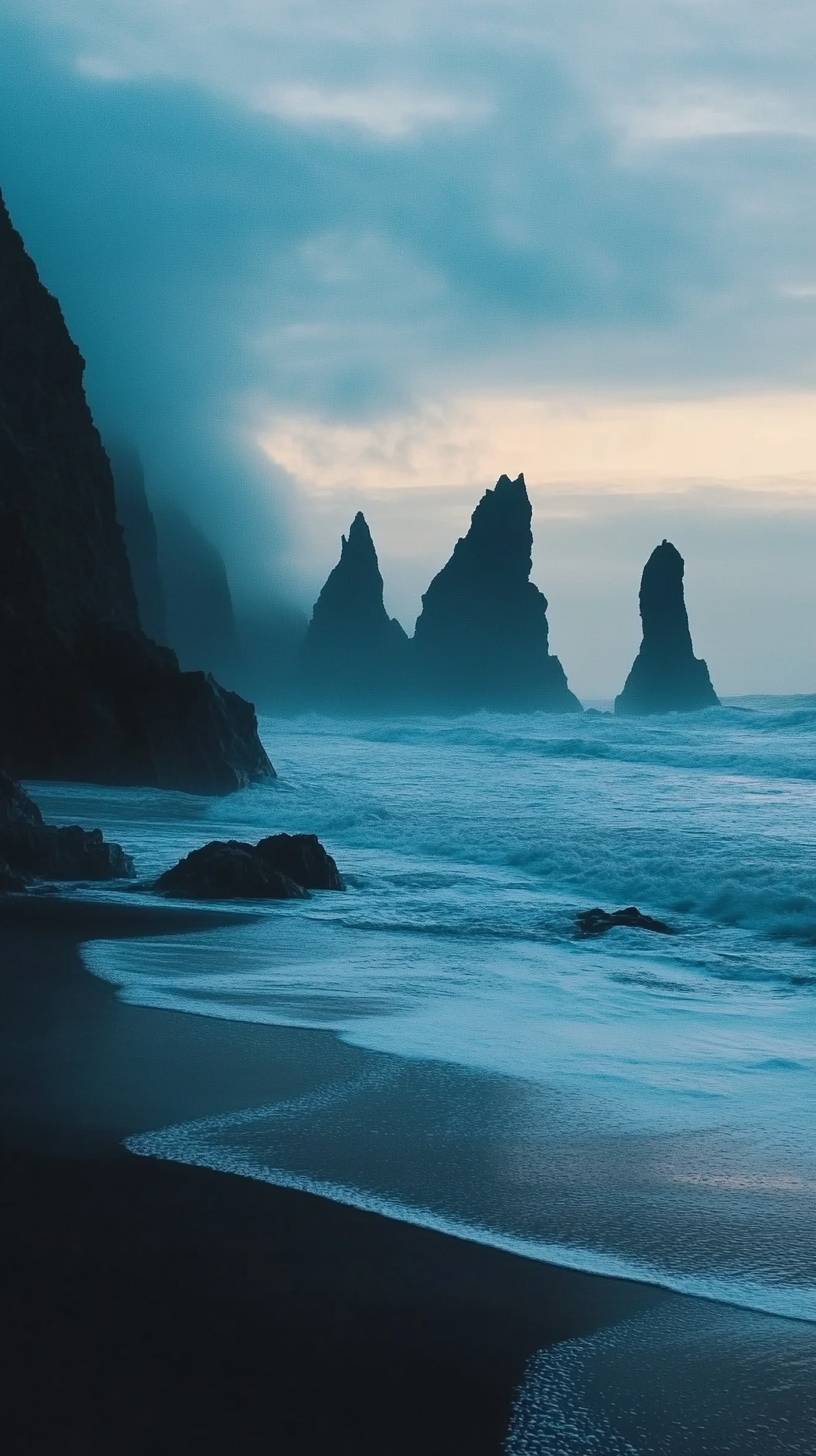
[86, 695]
[482, 636]
[666, 677]
[354, 656]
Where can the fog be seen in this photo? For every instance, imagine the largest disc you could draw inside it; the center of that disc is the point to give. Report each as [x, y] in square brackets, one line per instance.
[316, 265]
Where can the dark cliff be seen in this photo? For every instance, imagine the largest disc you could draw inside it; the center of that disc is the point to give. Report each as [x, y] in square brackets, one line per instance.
[200, 615]
[141, 539]
[482, 637]
[354, 656]
[86, 694]
[666, 677]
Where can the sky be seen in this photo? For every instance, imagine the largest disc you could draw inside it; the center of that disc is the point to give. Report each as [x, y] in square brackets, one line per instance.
[322, 258]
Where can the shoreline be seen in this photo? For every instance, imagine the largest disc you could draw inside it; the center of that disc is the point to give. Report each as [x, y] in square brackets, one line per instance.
[221, 1309]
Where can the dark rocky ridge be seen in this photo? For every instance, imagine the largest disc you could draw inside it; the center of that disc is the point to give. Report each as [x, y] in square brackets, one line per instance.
[482, 637]
[87, 695]
[281, 867]
[200, 615]
[30, 848]
[666, 676]
[141, 538]
[354, 657]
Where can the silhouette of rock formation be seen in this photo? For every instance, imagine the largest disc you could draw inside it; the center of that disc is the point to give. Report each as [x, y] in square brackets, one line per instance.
[354, 656]
[85, 694]
[481, 639]
[200, 617]
[141, 539]
[666, 677]
[599, 922]
[30, 848]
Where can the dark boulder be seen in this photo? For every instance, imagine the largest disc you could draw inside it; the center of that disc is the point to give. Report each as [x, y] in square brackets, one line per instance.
[666, 677]
[86, 695]
[30, 848]
[228, 870]
[354, 656]
[598, 922]
[482, 638]
[303, 858]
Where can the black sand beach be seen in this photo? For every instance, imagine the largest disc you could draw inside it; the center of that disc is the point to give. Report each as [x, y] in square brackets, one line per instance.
[153, 1307]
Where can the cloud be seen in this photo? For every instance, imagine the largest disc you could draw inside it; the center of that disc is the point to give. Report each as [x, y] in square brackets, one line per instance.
[389, 113]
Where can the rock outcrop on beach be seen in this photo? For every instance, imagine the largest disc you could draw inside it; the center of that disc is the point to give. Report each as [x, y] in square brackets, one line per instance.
[200, 614]
[30, 848]
[85, 694]
[141, 538]
[281, 867]
[598, 922]
[482, 637]
[666, 677]
[303, 858]
[354, 657]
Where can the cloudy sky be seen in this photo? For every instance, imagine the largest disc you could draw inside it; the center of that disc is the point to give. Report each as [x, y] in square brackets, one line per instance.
[322, 257]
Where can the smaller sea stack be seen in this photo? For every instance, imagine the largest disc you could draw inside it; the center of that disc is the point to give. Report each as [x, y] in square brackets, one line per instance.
[666, 677]
[354, 657]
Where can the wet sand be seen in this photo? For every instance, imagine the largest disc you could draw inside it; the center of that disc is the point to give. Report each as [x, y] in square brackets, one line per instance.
[152, 1307]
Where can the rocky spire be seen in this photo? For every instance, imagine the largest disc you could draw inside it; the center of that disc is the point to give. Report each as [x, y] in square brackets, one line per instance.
[666, 676]
[354, 655]
[85, 694]
[482, 637]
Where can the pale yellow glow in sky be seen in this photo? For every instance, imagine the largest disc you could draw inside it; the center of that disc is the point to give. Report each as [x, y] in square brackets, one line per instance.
[748, 441]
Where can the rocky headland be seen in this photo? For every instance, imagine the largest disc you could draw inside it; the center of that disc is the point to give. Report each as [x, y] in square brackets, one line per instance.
[88, 695]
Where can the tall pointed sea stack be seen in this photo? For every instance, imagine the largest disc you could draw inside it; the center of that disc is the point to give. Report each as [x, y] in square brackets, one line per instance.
[355, 656]
[85, 694]
[666, 677]
[482, 637]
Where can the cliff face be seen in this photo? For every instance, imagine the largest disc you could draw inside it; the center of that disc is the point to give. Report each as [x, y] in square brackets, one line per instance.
[354, 656]
[666, 676]
[200, 616]
[141, 538]
[86, 694]
[481, 639]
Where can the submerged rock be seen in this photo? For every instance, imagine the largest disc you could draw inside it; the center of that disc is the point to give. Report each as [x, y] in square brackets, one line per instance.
[481, 639]
[30, 848]
[598, 922]
[86, 694]
[354, 656]
[666, 677]
[282, 867]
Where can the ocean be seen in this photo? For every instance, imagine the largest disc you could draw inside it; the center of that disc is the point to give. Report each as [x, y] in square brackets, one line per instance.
[636, 1105]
